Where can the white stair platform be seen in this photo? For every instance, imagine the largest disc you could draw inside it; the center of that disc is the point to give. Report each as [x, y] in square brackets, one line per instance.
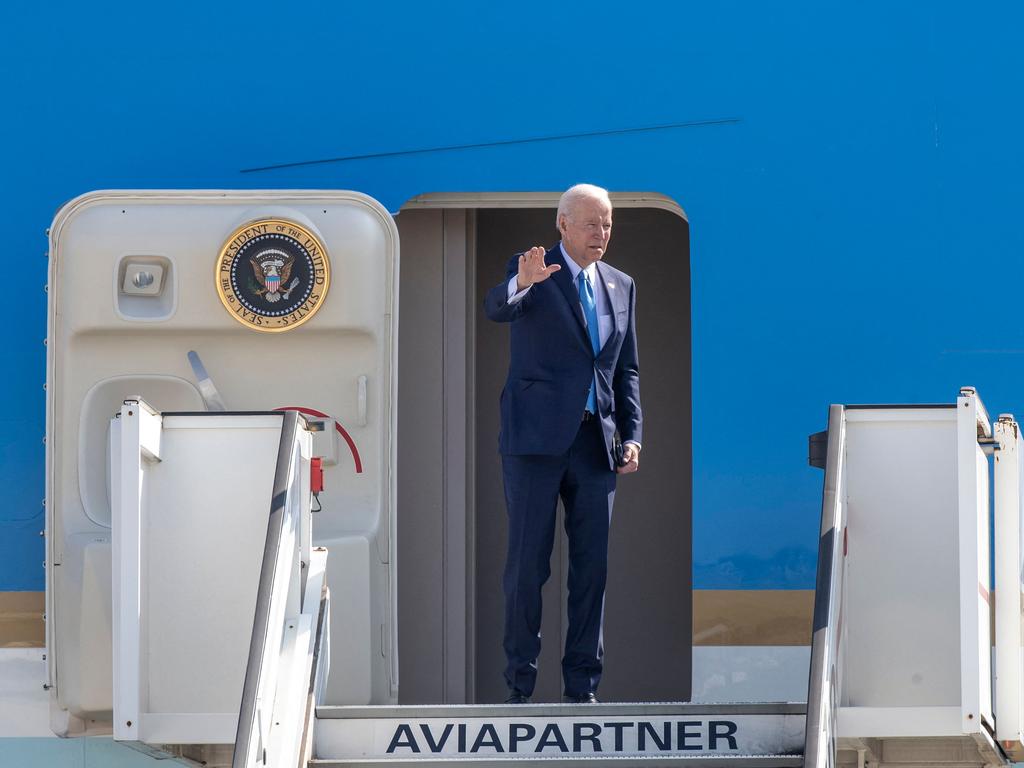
[761, 734]
[596, 761]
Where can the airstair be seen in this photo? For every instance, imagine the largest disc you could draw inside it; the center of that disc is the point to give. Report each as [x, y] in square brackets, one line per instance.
[901, 670]
[200, 611]
[902, 654]
[175, 682]
[182, 610]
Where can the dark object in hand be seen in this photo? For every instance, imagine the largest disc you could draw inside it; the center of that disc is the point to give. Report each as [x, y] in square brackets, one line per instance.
[620, 453]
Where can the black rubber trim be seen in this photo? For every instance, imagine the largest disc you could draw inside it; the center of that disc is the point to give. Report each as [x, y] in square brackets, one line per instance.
[817, 449]
[223, 413]
[895, 406]
[823, 588]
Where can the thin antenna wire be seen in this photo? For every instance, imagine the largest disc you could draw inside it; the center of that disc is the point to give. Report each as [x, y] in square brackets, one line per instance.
[505, 143]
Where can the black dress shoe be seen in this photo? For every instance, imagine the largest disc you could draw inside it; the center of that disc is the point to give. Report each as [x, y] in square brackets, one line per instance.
[517, 697]
[581, 698]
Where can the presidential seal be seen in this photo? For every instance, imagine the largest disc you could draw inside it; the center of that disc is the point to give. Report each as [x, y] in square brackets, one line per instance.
[272, 275]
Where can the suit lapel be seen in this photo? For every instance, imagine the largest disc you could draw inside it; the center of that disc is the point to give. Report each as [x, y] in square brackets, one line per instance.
[563, 279]
[617, 300]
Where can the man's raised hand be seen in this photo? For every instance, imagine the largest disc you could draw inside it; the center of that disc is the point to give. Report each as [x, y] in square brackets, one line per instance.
[532, 268]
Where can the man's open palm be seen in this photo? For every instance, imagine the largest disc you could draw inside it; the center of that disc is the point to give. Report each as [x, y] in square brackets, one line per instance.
[532, 268]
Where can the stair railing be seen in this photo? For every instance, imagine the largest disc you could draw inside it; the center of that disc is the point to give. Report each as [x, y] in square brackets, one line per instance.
[287, 660]
[827, 638]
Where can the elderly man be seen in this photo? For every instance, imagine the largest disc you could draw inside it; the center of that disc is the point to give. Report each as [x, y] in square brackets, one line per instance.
[570, 421]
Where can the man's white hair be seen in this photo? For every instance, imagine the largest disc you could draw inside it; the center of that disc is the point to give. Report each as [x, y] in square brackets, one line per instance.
[574, 194]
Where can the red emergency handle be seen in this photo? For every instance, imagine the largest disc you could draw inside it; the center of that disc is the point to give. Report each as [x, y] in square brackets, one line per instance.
[316, 475]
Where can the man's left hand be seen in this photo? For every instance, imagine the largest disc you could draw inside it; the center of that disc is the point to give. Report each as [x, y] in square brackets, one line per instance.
[630, 458]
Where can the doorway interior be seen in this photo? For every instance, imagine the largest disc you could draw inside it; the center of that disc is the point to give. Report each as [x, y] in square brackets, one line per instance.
[451, 511]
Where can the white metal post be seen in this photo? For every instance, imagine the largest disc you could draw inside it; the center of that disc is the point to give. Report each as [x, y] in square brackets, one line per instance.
[824, 685]
[1008, 571]
[975, 639]
[136, 437]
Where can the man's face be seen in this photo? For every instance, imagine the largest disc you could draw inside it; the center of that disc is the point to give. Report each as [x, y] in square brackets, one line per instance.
[586, 230]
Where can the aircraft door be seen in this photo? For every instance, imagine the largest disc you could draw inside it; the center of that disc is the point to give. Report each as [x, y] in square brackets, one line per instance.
[288, 300]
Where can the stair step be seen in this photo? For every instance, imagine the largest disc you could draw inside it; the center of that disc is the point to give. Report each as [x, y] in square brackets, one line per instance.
[591, 761]
[538, 733]
[542, 709]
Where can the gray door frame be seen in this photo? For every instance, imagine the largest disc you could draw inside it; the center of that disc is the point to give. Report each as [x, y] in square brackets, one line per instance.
[459, 430]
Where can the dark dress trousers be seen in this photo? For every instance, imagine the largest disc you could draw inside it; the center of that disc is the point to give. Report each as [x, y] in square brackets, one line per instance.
[548, 451]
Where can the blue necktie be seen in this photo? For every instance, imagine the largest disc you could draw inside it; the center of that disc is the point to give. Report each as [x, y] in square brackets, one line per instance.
[590, 314]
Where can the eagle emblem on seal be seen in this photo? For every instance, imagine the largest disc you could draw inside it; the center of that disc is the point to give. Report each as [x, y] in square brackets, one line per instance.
[273, 268]
[272, 274]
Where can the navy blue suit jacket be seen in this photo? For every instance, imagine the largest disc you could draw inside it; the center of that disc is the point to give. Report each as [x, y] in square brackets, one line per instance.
[552, 362]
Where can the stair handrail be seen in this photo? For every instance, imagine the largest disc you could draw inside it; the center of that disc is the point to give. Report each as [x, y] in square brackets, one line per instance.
[824, 677]
[1008, 473]
[271, 600]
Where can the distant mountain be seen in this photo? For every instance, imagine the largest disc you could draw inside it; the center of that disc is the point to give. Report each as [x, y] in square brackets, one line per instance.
[789, 568]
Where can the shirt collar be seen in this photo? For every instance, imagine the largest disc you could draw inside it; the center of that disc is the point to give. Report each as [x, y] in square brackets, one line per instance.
[574, 268]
